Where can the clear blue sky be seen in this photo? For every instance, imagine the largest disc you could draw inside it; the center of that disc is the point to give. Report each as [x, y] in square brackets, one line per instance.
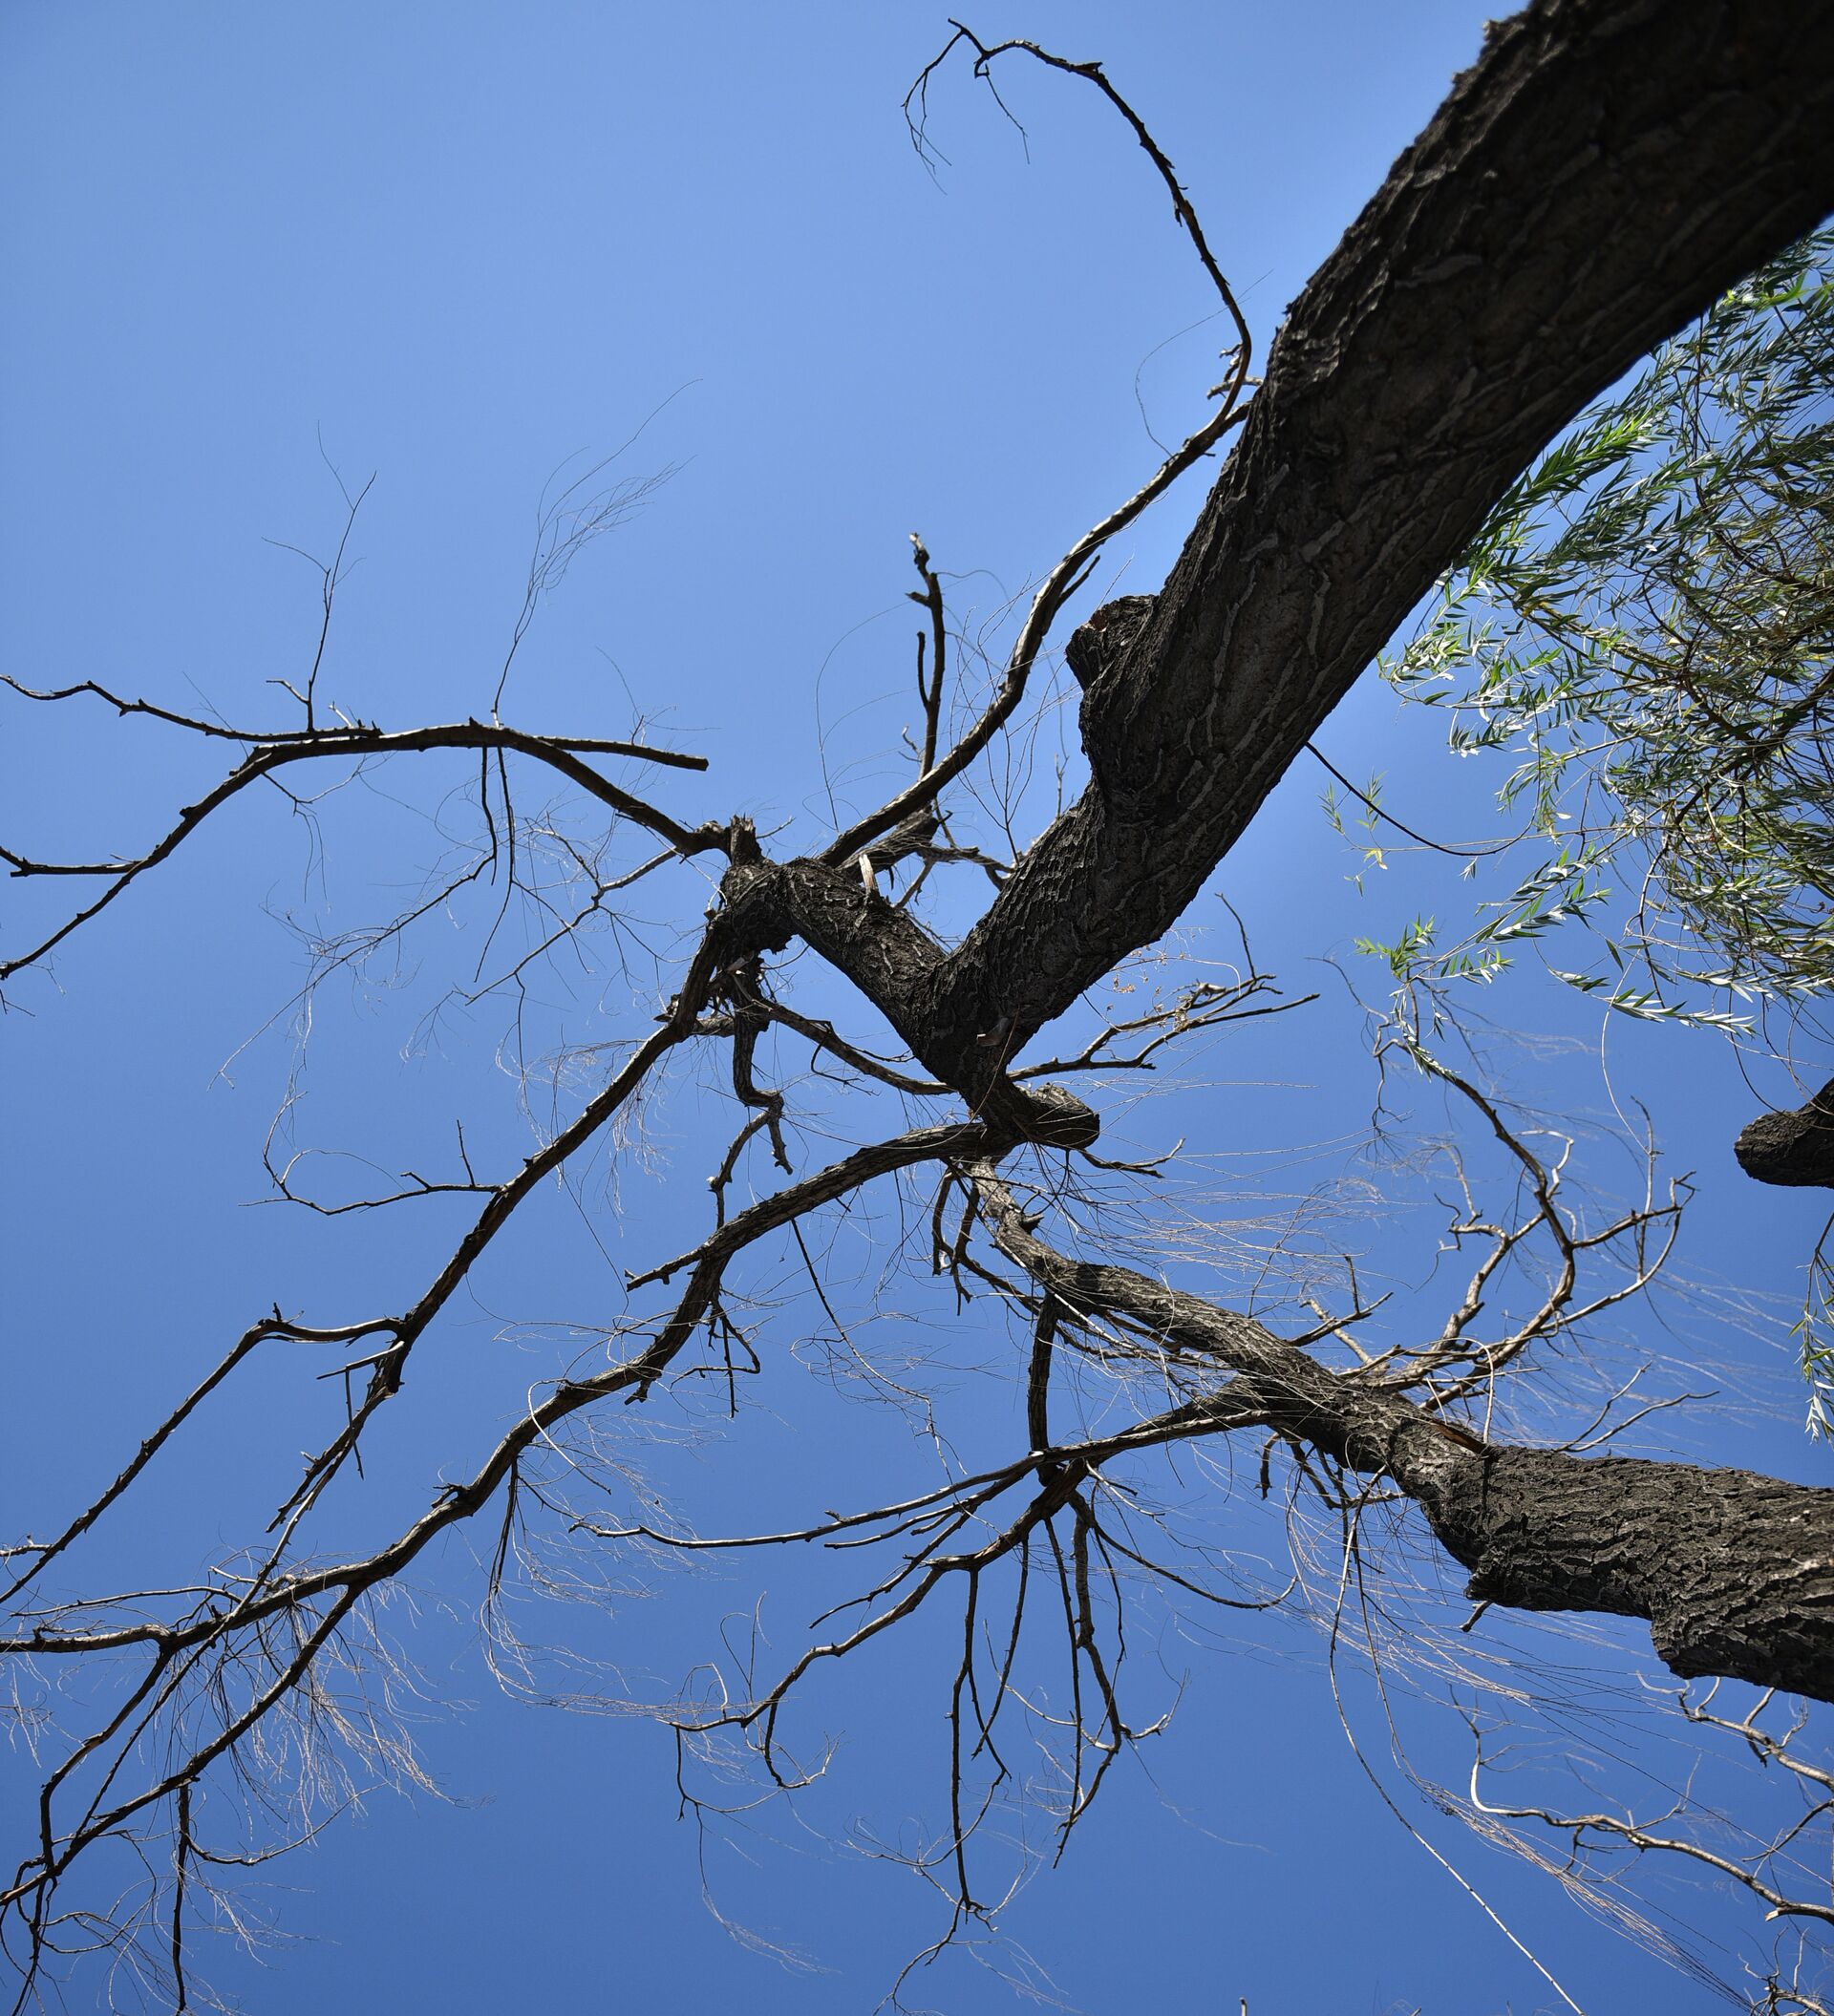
[458, 246]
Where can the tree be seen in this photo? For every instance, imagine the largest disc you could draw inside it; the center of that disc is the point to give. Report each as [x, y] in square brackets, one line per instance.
[1500, 278]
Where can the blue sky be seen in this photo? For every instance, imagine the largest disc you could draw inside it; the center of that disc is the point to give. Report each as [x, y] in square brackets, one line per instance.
[467, 248]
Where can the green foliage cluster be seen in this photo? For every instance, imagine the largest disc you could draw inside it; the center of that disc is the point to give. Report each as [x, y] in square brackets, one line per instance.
[1646, 626]
[1646, 623]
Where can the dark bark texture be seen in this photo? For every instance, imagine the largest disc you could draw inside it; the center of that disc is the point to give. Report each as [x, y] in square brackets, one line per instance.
[1597, 177]
[1735, 1572]
[1603, 169]
[1601, 173]
[1794, 1149]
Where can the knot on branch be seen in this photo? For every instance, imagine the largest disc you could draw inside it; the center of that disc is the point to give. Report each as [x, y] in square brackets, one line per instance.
[1793, 1149]
[1095, 654]
[1096, 647]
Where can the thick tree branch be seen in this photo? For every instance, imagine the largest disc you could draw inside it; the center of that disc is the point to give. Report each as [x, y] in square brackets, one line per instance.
[1734, 1570]
[1603, 170]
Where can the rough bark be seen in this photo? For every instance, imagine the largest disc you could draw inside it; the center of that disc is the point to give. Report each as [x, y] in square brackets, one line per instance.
[889, 957]
[1597, 177]
[1603, 171]
[1794, 1149]
[1733, 1572]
